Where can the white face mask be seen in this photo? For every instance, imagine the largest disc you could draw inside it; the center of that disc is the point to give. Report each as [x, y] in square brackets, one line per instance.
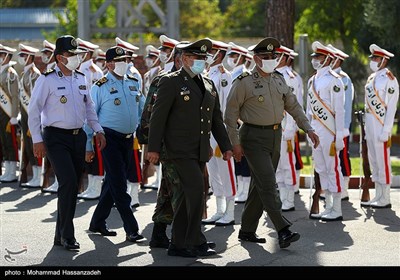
[268, 66]
[373, 65]
[46, 59]
[102, 65]
[231, 62]
[149, 62]
[163, 57]
[120, 68]
[316, 64]
[72, 62]
[22, 60]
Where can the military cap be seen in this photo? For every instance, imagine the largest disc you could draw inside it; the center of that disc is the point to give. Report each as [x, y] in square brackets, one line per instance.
[284, 50]
[24, 49]
[115, 53]
[266, 45]
[293, 54]
[99, 54]
[67, 43]
[219, 45]
[5, 49]
[47, 46]
[338, 53]
[86, 45]
[152, 51]
[199, 47]
[378, 51]
[167, 42]
[320, 49]
[125, 45]
[237, 49]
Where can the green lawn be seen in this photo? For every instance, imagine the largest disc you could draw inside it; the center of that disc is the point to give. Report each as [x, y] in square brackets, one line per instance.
[355, 166]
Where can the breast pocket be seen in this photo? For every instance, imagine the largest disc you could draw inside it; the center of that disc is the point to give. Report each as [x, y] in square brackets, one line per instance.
[60, 96]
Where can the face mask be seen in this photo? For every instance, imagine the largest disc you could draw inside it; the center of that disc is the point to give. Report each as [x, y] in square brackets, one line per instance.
[373, 65]
[149, 62]
[316, 64]
[120, 68]
[268, 66]
[231, 62]
[101, 65]
[45, 58]
[163, 57]
[198, 66]
[72, 62]
[21, 60]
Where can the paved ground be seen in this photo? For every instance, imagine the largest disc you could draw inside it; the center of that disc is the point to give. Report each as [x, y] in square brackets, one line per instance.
[365, 237]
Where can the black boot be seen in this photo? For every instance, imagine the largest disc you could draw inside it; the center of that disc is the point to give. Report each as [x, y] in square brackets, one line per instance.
[159, 238]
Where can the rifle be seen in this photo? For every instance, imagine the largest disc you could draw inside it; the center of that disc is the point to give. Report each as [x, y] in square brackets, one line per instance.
[23, 163]
[366, 183]
[206, 187]
[314, 209]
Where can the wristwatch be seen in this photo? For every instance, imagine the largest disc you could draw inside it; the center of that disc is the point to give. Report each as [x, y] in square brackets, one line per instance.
[101, 132]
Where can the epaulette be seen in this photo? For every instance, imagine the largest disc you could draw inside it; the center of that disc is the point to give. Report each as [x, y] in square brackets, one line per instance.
[334, 74]
[244, 74]
[48, 71]
[132, 77]
[221, 69]
[290, 73]
[295, 73]
[79, 72]
[101, 81]
[390, 75]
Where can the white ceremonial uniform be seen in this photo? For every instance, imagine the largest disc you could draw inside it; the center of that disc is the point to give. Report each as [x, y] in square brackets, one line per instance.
[92, 72]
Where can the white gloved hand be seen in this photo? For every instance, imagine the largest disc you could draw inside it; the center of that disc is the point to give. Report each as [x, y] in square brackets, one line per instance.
[346, 132]
[339, 144]
[384, 136]
[13, 121]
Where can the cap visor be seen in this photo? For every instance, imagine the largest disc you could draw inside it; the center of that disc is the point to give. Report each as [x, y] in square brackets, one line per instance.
[77, 51]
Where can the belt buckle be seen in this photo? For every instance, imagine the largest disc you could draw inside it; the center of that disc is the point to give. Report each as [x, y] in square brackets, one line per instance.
[275, 127]
[75, 131]
[128, 136]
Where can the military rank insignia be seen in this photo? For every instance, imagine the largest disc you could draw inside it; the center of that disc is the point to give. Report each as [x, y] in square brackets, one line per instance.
[336, 88]
[345, 87]
[258, 84]
[260, 98]
[82, 87]
[132, 88]
[213, 93]
[256, 75]
[84, 98]
[137, 98]
[224, 82]
[117, 102]
[185, 91]
[391, 90]
[113, 90]
[186, 98]
[60, 74]
[63, 99]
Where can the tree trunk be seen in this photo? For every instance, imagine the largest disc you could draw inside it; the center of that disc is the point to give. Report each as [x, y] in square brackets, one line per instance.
[279, 21]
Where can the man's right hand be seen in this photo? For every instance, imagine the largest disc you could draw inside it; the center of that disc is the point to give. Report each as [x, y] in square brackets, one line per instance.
[238, 152]
[39, 150]
[153, 157]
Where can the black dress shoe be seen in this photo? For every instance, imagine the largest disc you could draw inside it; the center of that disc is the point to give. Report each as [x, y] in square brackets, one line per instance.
[57, 242]
[180, 252]
[134, 237]
[70, 244]
[250, 236]
[104, 231]
[289, 209]
[204, 250]
[159, 242]
[286, 237]
[211, 244]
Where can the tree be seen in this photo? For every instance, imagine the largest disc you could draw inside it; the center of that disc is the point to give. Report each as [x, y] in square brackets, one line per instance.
[279, 21]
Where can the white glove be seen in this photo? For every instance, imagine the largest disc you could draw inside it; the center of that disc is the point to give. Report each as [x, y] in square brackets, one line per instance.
[346, 132]
[288, 135]
[13, 121]
[339, 144]
[384, 136]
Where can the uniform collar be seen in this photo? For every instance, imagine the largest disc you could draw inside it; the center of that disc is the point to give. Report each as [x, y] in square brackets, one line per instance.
[214, 67]
[323, 71]
[86, 64]
[28, 67]
[61, 75]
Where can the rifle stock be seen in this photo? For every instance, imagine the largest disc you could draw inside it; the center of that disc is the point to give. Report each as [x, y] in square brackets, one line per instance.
[23, 162]
[315, 197]
[366, 183]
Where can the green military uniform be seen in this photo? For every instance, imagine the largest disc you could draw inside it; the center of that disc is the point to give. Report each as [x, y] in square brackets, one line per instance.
[260, 102]
[182, 120]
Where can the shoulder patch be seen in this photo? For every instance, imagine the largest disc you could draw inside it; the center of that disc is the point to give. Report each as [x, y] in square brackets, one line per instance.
[79, 72]
[132, 77]
[390, 75]
[243, 75]
[334, 74]
[48, 71]
[101, 81]
[336, 88]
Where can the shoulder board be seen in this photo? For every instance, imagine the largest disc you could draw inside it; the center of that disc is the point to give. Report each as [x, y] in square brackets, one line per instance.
[132, 77]
[79, 72]
[342, 73]
[101, 81]
[390, 75]
[334, 74]
[48, 71]
[279, 74]
[290, 73]
[221, 69]
[244, 74]
[295, 73]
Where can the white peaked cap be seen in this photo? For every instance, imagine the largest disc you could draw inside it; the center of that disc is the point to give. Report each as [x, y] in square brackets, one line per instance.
[378, 51]
[27, 49]
[86, 45]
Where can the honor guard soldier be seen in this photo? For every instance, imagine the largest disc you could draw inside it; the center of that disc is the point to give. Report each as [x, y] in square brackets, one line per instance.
[325, 108]
[381, 97]
[119, 104]
[92, 72]
[153, 54]
[99, 59]
[340, 56]
[221, 172]
[236, 60]
[259, 98]
[184, 115]
[167, 52]
[26, 57]
[130, 51]
[9, 104]
[48, 54]
[286, 178]
[60, 105]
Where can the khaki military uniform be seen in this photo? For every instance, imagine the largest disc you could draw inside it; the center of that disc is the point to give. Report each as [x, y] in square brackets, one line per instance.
[260, 102]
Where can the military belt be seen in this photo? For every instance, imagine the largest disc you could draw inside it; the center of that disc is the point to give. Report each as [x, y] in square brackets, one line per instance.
[74, 131]
[272, 126]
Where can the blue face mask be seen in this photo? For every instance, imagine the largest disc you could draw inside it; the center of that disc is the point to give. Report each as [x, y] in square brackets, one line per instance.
[198, 66]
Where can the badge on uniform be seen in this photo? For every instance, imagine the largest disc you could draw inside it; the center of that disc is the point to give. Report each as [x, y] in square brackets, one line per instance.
[113, 90]
[185, 91]
[186, 98]
[63, 99]
[60, 74]
[258, 84]
[260, 98]
[391, 90]
[82, 87]
[132, 88]
[60, 88]
[256, 75]
[137, 98]
[84, 98]
[336, 88]
[224, 82]
[117, 101]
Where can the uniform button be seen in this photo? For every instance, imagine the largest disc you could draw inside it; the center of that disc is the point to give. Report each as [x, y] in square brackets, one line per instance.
[201, 120]
[201, 108]
[208, 109]
[209, 121]
[201, 132]
[209, 132]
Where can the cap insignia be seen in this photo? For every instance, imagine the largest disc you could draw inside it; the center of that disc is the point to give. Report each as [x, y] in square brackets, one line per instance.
[203, 48]
[270, 47]
[119, 51]
[73, 43]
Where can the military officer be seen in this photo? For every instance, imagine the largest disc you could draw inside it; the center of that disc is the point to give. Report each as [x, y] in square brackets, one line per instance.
[381, 97]
[47, 55]
[26, 57]
[9, 104]
[185, 113]
[259, 98]
[167, 52]
[60, 105]
[99, 59]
